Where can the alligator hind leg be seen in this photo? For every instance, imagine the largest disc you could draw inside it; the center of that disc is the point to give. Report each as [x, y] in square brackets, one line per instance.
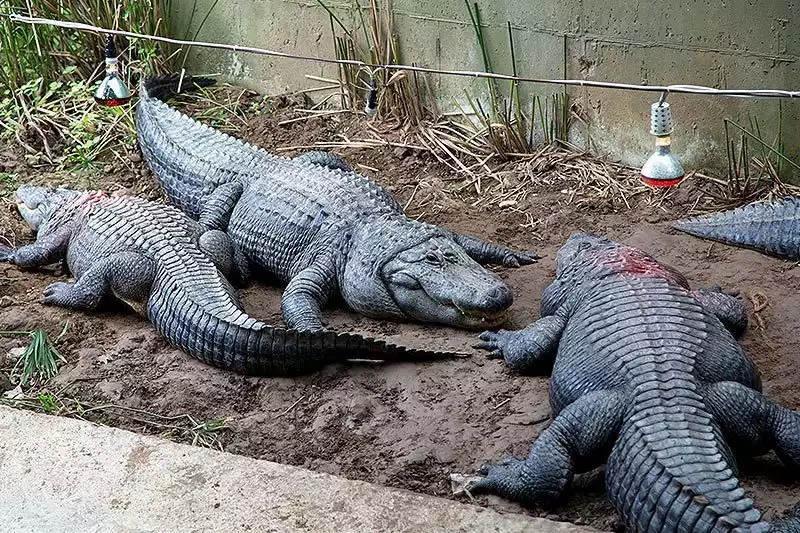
[528, 348]
[754, 424]
[578, 440]
[127, 275]
[216, 212]
[728, 307]
[487, 253]
[225, 255]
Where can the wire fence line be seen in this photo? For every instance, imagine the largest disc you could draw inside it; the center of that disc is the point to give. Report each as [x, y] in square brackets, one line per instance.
[677, 88]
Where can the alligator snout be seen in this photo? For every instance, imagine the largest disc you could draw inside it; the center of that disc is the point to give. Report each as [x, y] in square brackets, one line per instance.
[496, 299]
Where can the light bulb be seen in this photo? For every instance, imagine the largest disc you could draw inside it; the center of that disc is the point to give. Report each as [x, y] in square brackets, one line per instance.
[112, 91]
[662, 168]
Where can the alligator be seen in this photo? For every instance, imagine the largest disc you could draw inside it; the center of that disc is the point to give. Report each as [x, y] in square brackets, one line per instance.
[647, 379]
[321, 229]
[769, 227]
[168, 268]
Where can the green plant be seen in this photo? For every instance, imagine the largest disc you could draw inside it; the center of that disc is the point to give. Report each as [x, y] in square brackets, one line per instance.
[508, 129]
[401, 95]
[8, 182]
[749, 173]
[30, 52]
[39, 360]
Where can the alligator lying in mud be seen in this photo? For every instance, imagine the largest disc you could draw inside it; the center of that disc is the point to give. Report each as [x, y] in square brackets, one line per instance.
[769, 227]
[320, 228]
[165, 266]
[647, 376]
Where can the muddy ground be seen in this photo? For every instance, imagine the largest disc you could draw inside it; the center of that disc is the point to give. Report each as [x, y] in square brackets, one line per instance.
[405, 425]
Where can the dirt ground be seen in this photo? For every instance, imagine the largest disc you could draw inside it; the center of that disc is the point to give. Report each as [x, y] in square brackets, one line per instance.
[407, 425]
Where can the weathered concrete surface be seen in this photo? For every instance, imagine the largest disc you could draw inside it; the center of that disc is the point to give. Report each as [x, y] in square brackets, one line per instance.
[63, 475]
[736, 43]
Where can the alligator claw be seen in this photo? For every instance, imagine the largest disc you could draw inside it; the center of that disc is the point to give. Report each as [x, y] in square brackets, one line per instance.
[517, 259]
[492, 342]
[54, 293]
[498, 475]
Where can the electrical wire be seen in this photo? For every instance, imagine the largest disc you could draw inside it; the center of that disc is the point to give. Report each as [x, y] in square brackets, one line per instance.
[683, 89]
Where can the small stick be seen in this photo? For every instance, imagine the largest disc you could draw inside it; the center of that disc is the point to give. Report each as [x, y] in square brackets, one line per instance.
[292, 406]
[502, 403]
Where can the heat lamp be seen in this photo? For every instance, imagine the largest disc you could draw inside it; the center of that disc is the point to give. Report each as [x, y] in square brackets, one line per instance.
[662, 169]
[112, 91]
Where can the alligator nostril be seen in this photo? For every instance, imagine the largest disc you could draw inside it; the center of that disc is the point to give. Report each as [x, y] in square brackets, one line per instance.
[498, 298]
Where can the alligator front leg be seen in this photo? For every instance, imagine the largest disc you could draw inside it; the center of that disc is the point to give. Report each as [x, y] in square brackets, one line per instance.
[487, 253]
[306, 293]
[226, 256]
[577, 440]
[217, 209]
[728, 307]
[754, 424]
[528, 348]
[127, 275]
[44, 251]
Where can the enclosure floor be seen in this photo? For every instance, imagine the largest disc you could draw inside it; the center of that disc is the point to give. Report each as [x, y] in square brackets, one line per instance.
[410, 425]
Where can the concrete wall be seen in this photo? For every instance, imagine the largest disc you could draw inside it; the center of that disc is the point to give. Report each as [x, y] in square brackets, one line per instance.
[719, 43]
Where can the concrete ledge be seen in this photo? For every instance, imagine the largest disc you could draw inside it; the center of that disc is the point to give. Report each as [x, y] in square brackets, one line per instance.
[63, 475]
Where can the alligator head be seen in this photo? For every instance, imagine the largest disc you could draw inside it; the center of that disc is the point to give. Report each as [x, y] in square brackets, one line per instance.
[428, 278]
[36, 204]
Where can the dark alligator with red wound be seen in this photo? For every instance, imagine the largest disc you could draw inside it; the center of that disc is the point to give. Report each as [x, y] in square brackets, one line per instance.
[647, 379]
[171, 270]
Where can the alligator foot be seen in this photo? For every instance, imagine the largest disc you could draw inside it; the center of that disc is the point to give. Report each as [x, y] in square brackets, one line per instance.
[504, 477]
[325, 159]
[525, 349]
[487, 253]
[753, 423]
[64, 294]
[727, 306]
[579, 435]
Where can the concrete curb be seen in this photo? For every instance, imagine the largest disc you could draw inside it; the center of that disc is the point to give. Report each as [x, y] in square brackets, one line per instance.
[64, 475]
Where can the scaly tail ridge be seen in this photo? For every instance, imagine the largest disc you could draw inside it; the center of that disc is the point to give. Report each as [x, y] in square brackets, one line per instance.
[769, 227]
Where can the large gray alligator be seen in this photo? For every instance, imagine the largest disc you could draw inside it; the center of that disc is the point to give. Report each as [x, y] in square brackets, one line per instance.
[320, 228]
[769, 227]
[165, 266]
[647, 377]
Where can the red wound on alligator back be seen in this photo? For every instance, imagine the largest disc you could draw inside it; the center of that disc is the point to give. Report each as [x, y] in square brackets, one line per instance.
[626, 260]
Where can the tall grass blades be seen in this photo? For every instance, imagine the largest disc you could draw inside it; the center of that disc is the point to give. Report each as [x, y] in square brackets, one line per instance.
[43, 53]
[402, 96]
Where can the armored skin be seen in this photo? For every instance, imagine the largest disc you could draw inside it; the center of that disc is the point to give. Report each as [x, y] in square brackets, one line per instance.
[168, 268]
[772, 228]
[320, 228]
[647, 379]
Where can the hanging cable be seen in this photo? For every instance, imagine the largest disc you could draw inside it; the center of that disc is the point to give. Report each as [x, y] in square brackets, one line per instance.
[684, 89]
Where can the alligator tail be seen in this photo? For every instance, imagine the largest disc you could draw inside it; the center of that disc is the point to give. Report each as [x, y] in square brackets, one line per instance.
[769, 227]
[670, 469]
[228, 338]
[164, 87]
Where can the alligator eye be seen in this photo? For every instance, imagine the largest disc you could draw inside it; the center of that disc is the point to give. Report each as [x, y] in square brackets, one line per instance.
[432, 258]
